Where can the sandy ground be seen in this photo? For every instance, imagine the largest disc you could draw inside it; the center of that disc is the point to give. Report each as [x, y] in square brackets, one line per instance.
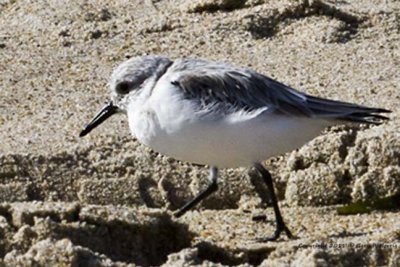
[105, 200]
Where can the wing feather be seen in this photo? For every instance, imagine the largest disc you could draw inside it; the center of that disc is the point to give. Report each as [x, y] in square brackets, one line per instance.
[220, 83]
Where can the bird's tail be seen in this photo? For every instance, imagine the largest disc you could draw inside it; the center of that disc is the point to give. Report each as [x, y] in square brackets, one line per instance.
[345, 111]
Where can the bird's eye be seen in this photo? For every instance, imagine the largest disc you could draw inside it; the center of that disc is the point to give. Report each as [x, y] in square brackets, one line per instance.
[123, 88]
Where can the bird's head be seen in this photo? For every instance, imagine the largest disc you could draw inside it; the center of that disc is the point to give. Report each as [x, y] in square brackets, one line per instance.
[128, 82]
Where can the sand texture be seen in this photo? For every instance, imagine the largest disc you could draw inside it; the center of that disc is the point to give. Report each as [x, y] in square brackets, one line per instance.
[106, 200]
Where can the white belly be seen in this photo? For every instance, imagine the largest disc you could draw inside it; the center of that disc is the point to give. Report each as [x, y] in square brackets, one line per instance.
[226, 142]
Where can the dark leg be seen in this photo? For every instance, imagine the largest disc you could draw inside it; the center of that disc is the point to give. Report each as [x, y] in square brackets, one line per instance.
[211, 188]
[280, 225]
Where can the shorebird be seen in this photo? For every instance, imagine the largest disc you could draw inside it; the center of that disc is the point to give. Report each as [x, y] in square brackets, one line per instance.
[220, 115]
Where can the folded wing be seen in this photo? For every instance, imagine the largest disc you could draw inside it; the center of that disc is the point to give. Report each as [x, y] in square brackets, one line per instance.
[214, 83]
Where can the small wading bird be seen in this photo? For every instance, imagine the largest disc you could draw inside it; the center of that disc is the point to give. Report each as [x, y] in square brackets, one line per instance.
[216, 114]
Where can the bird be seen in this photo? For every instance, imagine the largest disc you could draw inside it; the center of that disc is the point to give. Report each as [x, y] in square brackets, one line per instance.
[219, 115]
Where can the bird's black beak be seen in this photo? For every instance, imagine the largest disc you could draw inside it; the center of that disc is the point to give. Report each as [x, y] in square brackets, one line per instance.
[107, 111]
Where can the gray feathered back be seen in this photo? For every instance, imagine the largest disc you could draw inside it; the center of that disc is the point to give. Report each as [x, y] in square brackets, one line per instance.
[215, 82]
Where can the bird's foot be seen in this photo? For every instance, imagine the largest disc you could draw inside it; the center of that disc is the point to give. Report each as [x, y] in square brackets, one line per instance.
[279, 229]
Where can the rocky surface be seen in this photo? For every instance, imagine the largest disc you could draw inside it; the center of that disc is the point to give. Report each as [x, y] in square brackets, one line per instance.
[105, 200]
